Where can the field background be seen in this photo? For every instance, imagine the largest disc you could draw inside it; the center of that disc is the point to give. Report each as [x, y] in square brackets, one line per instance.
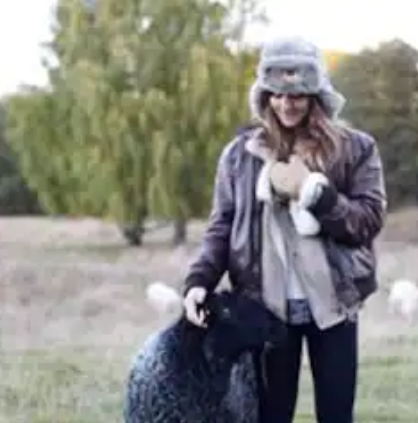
[72, 315]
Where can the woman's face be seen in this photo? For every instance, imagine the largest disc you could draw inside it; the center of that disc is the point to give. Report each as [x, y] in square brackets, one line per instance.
[290, 109]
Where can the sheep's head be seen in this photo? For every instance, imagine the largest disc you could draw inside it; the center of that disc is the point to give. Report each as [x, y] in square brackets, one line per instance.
[237, 324]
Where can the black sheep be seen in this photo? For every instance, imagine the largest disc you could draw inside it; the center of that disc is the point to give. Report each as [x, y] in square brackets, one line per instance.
[188, 374]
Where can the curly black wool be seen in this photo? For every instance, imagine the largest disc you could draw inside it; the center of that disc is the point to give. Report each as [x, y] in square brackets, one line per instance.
[187, 374]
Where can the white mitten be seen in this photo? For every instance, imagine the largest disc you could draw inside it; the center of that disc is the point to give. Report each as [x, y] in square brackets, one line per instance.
[305, 223]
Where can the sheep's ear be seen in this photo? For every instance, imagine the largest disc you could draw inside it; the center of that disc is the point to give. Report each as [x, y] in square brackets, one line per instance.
[163, 298]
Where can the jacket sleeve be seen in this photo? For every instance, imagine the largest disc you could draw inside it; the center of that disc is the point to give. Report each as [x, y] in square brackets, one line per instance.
[356, 218]
[212, 261]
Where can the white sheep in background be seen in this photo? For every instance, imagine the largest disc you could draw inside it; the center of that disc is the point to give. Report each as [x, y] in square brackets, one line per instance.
[403, 299]
[163, 298]
[189, 374]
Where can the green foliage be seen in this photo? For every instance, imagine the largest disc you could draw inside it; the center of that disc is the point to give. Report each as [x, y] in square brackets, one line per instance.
[15, 195]
[143, 97]
[381, 87]
[38, 129]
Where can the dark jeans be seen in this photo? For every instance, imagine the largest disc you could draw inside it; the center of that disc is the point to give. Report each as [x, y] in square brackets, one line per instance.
[333, 358]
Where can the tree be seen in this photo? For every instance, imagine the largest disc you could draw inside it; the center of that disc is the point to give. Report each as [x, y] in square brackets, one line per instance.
[15, 195]
[382, 86]
[334, 58]
[143, 97]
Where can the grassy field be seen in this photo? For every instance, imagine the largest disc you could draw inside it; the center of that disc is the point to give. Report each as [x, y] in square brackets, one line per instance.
[72, 316]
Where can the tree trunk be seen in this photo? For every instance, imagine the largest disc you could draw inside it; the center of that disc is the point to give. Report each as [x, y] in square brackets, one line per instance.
[180, 232]
[133, 233]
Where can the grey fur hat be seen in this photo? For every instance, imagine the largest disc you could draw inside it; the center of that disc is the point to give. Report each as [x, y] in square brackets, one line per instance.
[294, 66]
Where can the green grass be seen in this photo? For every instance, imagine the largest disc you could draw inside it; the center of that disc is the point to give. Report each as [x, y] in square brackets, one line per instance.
[86, 386]
[61, 387]
[388, 391]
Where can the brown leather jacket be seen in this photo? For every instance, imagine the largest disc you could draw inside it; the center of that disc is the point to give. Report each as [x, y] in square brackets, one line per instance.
[351, 212]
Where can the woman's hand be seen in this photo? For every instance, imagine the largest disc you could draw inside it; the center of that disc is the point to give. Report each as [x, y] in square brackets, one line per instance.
[194, 298]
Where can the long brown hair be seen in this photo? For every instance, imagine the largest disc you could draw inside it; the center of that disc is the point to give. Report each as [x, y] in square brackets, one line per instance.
[320, 141]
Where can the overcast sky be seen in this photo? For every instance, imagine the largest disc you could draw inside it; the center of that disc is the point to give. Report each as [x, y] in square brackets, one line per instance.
[346, 25]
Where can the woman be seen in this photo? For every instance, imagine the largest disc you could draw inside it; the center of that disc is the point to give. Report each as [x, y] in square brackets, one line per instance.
[298, 202]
